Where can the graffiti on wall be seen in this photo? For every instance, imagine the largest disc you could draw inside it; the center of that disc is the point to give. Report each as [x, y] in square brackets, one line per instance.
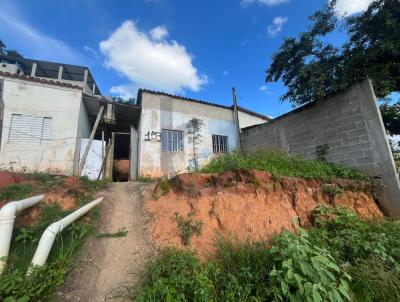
[152, 136]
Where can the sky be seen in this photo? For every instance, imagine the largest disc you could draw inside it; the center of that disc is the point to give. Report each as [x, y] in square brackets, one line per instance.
[197, 49]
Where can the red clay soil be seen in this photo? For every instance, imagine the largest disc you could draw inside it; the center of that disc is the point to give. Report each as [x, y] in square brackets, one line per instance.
[8, 178]
[247, 205]
[65, 196]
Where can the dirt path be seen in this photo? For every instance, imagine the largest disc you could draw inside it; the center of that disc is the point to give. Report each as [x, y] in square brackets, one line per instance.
[106, 264]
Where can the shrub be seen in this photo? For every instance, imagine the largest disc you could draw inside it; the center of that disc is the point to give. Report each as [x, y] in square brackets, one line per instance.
[280, 164]
[188, 227]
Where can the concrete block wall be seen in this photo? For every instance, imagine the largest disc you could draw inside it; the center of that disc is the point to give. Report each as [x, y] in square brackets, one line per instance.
[349, 124]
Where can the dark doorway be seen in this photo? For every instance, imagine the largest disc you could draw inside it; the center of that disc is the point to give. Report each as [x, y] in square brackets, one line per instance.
[121, 157]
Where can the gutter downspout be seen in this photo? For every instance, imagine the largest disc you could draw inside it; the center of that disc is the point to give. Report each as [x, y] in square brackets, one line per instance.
[49, 235]
[7, 218]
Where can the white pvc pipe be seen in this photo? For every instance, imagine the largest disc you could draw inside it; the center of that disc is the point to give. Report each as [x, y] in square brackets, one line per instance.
[7, 218]
[49, 235]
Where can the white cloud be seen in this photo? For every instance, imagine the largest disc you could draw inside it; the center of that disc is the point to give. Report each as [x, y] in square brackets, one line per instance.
[91, 51]
[29, 39]
[164, 65]
[158, 33]
[276, 26]
[246, 3]
[350, 7]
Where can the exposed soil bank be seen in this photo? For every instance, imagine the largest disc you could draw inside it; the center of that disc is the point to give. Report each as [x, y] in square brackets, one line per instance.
[247, 205]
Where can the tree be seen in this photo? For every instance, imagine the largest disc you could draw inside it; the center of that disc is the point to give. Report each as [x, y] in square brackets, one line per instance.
[193, 127]
[14, 54]
[391, 117]
[8, 52]
[2, 48]
[312, 68]
[128, 101]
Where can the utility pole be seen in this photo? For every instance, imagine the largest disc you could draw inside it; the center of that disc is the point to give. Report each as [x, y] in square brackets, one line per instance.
[236, 117]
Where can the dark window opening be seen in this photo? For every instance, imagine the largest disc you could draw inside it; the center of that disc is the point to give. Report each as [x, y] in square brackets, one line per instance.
[220, 143]
[121, 157]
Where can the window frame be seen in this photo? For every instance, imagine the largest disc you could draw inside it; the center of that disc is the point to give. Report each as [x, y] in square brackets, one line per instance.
[219, 143]
[174, 142]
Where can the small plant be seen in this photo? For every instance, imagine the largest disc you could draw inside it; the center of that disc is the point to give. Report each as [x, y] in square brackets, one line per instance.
[193, 127]
[165, 186]
[256, 182]
[321, 152]
[188, 227]
[331, 190]
[16, 191]
[145, 179]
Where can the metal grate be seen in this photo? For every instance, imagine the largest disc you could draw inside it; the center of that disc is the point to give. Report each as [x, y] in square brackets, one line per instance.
[220, 143]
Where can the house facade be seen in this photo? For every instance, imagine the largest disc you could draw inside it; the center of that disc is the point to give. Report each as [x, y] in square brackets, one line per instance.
[54, 118]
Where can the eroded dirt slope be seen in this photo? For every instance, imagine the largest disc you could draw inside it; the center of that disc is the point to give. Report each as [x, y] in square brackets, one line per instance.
[247, 205]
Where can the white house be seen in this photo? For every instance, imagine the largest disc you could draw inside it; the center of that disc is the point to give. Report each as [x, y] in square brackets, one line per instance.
[48, 114]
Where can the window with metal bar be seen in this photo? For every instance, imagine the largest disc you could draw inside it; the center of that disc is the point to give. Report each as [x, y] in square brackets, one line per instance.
[171, 140]
[25, 128]
[220, 143]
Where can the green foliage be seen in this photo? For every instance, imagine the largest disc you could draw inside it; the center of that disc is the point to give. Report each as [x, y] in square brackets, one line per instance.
[303, 272]
[127, 101]
[342, 258]
[165, 186]
[331, 190]
[145, 179]
[40, 286]
[312, 68]
[391, 117]
[280, 164]
[188, 227]
[120, 233]
[16, 191]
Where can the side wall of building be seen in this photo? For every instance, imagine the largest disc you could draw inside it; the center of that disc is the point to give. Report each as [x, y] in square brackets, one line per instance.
[164, 112]
[348, 126]
[60, 104]
[247, 120]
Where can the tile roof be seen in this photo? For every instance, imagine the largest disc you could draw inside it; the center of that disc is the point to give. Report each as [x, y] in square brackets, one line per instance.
[40, 80]
[141, 90]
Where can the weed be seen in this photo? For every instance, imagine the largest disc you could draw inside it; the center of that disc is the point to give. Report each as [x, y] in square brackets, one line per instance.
[331, 190]
[321, 151]
[188, 227]
[165, 186]
[145, 179]
[256, 182]
[120, 233]
[342, 258]
[16, 191]
[279, 164]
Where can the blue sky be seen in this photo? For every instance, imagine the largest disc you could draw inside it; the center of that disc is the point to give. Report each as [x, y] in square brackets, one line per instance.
[198, 49]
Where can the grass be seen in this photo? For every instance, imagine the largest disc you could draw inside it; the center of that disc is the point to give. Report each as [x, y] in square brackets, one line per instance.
[279, 164]
[120, 233]
[40, 286]
[342, 258]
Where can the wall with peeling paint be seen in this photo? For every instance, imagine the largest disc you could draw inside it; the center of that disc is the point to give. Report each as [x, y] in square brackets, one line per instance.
[63, 105]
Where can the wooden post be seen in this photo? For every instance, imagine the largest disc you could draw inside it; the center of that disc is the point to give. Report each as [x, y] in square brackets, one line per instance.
[60, 72]
[85, 154]
[236, 117]
[105, 159]
[33, 71]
